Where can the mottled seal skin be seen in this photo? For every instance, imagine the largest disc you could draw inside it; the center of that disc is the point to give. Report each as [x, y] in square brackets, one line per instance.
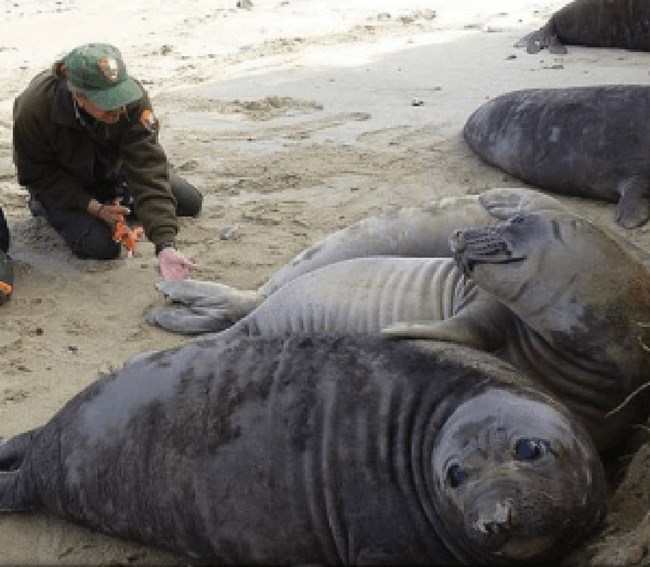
[199, 307]
[316, 450]
[581, 306]
[550, 292]
[594, 23]
[586, 141]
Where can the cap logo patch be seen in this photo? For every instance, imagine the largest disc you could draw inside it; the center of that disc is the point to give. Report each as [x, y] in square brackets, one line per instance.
[109, 68]
[148, 120]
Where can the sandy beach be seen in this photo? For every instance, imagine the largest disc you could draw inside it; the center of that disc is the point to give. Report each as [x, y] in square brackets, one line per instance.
[295, 118]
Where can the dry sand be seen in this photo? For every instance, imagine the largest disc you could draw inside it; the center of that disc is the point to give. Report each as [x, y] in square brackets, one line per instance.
[296, 118]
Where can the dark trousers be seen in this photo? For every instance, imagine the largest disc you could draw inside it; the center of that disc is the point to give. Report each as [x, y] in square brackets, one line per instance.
[90, 237]
[4, 232]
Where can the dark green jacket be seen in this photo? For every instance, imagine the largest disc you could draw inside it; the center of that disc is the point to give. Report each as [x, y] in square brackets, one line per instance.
[55, 155]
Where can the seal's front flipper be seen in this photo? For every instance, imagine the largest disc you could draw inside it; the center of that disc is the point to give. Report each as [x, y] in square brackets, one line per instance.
[458, 330]
[633, 208]
[504, 202]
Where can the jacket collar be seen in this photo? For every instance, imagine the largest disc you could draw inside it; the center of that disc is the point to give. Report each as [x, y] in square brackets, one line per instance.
[64, 111]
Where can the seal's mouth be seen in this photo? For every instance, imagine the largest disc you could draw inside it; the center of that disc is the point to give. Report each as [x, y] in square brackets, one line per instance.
[481, 246]
[495, 526]
[526, 548]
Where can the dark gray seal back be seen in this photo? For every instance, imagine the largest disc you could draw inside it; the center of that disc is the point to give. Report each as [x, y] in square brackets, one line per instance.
[316, 449]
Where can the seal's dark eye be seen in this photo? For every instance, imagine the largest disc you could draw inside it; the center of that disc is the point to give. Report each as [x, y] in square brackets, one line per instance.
[456, 475]
[529, 449]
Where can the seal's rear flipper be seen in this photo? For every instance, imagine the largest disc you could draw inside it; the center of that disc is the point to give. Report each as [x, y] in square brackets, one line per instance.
[633, 208]
[14, 495]
[544, 38]
[13, 451]
[202, 307]
[187, 321]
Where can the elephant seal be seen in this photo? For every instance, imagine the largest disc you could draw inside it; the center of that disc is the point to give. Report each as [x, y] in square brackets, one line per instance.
[550, 292]
[595, 23]
[316, 450]
[579, 307]
[199, 306]
[585, 141]
[365, 295]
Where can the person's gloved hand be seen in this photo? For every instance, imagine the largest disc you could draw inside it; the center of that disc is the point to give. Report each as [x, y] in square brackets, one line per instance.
[173, 265]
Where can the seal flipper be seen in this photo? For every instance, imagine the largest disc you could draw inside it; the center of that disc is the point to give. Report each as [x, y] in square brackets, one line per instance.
[13, 451]
[14, 494]
[543, 38]
[473, 327]
[202, 307]
[186, 321]
[633, 208]
[504, 202]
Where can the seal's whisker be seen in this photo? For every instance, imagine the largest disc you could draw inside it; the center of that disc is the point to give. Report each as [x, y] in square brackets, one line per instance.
[627, 400]
[644, 346]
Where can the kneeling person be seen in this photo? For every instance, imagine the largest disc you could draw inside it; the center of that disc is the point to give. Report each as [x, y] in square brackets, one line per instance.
[85, 138]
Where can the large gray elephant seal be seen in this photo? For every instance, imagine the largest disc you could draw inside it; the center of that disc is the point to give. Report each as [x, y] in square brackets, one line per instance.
[580, 308]
[594, 23]
[199, 306]
[550, 292]
[586, 141]
[316, 450]
[579, 328]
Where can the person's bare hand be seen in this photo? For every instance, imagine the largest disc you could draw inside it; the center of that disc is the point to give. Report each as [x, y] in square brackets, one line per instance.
[173, 265]
[110, 214]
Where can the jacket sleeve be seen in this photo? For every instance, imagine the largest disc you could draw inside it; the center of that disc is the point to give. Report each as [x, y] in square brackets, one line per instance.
[147, 174]
[36, 164]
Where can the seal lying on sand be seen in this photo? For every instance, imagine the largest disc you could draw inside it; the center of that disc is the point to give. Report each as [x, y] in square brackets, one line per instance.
[316, 450]
[595, 23]
[550, 292]
[365, 295]
[586, 141]
[200, 307]
[579, 307]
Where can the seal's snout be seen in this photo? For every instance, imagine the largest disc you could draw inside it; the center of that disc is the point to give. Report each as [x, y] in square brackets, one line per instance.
[492, 523]
[484, 245]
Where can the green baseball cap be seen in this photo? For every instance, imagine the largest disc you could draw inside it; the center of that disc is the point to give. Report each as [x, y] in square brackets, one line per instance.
[97, 71]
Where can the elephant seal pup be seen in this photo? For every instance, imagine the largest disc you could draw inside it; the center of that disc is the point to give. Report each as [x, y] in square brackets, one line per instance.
[364, 295]
[580, 308]
[316, 450]
[200, 307]
[585, 141]
[594, 23]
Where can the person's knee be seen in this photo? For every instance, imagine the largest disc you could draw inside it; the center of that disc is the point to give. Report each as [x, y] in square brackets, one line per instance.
[98, 249]
[93, 241]
[189, 200]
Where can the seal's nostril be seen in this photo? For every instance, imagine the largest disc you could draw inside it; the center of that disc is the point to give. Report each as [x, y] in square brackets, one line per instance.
[494, 527]
[499, 519]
